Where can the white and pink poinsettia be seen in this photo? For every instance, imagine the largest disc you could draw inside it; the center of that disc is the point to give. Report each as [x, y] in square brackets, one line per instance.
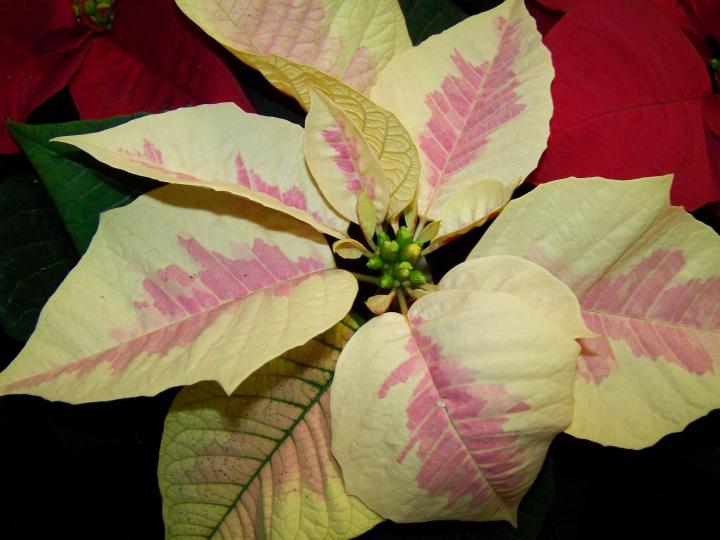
[589, 306]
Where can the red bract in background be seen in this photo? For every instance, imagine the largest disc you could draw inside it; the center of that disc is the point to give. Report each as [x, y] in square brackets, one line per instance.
[152, 59]
[630, 94]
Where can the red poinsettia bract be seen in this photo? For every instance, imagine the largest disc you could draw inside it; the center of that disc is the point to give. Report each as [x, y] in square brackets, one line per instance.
[633, 96]
[151, 59]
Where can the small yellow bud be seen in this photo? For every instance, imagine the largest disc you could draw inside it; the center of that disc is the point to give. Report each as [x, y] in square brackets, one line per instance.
[410, 253]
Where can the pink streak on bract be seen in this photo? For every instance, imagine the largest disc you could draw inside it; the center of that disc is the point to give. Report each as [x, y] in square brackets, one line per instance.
[656, 314]
[457, 425]
[159, 343]
[469, 108]
[347, 157]
[149, 153]
[188, 302]
[293, 197]
[151, 157]
[300, 31]
[293, 30]
[361, 72]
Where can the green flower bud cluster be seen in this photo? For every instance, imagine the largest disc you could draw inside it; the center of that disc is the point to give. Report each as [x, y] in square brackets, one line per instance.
[395, 259]
[97, 14]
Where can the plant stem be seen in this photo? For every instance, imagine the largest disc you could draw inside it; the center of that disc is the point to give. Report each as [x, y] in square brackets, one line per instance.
[420, 225]
[402, 302]
[366, 278]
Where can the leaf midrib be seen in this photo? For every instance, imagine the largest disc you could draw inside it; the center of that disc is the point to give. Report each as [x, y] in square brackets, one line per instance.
[287, 434]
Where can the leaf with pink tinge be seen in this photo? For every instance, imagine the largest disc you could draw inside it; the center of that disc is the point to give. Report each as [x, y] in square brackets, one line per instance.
[341, 160]
[350, 41]
[380, 22]
[180, 286]
[457, 404]
[220, 147]
[479, 109]
[648, 279]
[257, 464]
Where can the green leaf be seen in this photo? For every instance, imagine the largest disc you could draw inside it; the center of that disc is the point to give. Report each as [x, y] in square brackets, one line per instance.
[425, 18]
[36, 252]
[80, 186]
[257, 464]
[366, 216]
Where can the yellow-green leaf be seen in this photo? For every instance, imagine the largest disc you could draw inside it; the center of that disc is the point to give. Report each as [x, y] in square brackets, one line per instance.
[183, 285]
[257, 464]
[428, 232]
[366, 217]
[476, 100]
[341, 160]
[380, 303]
[349, 248]
[351, 41]
[220, 147]
[457, 405]
[648, 279]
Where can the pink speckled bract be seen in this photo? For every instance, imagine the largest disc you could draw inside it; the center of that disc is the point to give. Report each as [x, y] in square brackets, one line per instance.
[469, 108]
[149, 153]
[150, 156]
[457, 424]
[657, 315]
[346, 159]
[182, 304]
[300, 32]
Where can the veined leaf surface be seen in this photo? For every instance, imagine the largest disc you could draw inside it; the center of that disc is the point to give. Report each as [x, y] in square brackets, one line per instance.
[180, 286]
[388, 139]
[458, 403]
[341, 160]
[351, 41]
[648, 279]
[257, 464]
[223, 148]
[478, 107]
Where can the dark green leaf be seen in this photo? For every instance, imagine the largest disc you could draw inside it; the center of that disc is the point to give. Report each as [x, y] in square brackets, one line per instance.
[425, 18]
[37, 252]
[80, 186]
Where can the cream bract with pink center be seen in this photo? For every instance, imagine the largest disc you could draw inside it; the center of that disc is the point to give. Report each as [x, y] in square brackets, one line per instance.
[648, 279]
[223, 148]
[351, 41]
[476, 101]
[180, 286]
[457, 402]
[341, 160]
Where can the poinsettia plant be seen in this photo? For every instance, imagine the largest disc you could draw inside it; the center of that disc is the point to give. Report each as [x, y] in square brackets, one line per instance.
[589, 306]
[620, 112]
[115, 57]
